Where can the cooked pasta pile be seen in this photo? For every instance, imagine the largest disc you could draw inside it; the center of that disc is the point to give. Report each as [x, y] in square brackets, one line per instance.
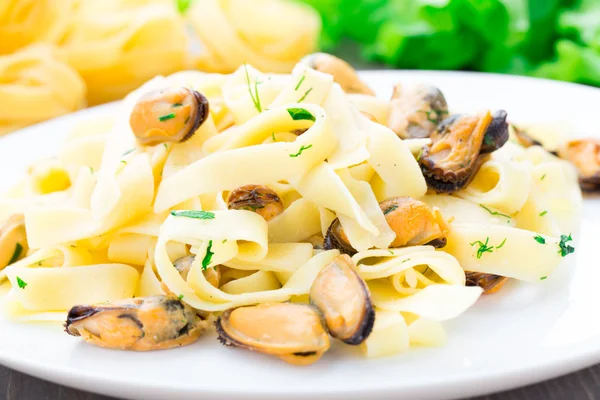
[109, 219]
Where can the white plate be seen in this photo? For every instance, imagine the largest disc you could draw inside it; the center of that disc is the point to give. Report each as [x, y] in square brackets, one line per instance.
[524, 334]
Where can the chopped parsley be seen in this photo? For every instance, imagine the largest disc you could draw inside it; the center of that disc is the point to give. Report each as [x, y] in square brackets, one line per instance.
[403, 261]
[543, 213]
[224, 241]
[128, 151]
[123, 162]
[183, 5]
[563, 248]
[273, 136]
[177, 105]
[197, 214]
[305, 94]
[485, 247]
[302, 148]
[390, 209]
[391, 252]
[299, 114]
[208, 256]
[180, 297]
[166, 117]
[22, 284]
[540, 239]
[166, 146]
[494, 212]
[91, 170]
[420, 155]
[300, 82]
[16, 253]
[543, 278]
[253, 96]
[542, 178]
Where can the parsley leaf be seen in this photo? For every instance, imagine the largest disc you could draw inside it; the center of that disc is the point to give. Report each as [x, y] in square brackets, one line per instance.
[485, 247]
[197, 214]
[22, 284]
[390, 209]
[166, 117]
[299, 114]
[542, 178]
[183, 5]
[494, 212]
[253, 96]
[543, 213]
[305, 94]
[302, 148]
[501, 244]
[16, 253]
[540, 239]
[300, 82]
[208, 256]
[543, 278]
[565, 249]
[273, 136]
[180, 297]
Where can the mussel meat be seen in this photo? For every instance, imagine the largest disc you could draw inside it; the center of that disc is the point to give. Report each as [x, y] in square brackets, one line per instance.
[524, 138]
[257, 198]
[13, 240]
[416, 110]
[490, 283]
[342, 72]
[412, 220]
[141, 324]
[168, 115]
[344, 300]
[290, 331]
[459, 147]
[584, 154]
[184, 264]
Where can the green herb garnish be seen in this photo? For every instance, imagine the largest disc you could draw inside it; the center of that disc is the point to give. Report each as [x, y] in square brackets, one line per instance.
[180, 297]
[273, 136]
[128, 151]
[22, 284]
[543, 213]
[166, 117]
[176, 105]
[183, 5]
[299, 114]
[254, 96]
[390, 209]
[224, 241]
[483, 247]
[563, 248]
[123, 162]
[16, 253]
[543, 278]
[420, 155]
[501, 244]
[91, 170]
[305, 94]
[207, 256]
[300, 82]
[494, 212]
[197, 214]
[302, 148]
[540, 239]
[166, 146]
[542, 178]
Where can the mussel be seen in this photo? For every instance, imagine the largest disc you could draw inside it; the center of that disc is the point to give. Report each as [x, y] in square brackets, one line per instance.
[490, 283]
[13, 240]
[412, 220]
[584, 154]
[416, 110]
[524, 138]
[257, 198]
[184, 264]
[344, 300]
[141, 324]
[168, 115]
[290, 331]
[342, 72]
[459, 146]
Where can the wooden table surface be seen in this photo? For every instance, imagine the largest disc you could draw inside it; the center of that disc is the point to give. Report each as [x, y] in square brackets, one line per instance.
[582, 385]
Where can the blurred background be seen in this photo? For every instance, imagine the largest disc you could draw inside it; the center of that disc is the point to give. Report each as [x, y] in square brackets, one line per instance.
[57, 56]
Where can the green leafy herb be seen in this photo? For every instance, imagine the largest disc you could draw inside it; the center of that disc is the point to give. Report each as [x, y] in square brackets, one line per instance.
[302, 148]
[390, 209]
[273, 136]
[483, 247]
[305, 94]
[16, 253]
[501, 244]
[183, 5]
[224, 241]
[166, 117]
[543, 213]
[543, 278]
[208, 256]
[254, 96]
[299, 114]
[300, 82]
[540, 239]
[420, 155]
[197, 214]
[177, 105]
[403, 261]
[166, 146]
[563, 248]
[91, 170]
[128, 151]
[494, 212]
[123, 162]
[542, 178]
[22, 284]
[180, 297]
[391, 252]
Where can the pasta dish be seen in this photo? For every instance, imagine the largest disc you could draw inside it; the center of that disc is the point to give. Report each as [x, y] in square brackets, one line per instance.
[287, 210]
